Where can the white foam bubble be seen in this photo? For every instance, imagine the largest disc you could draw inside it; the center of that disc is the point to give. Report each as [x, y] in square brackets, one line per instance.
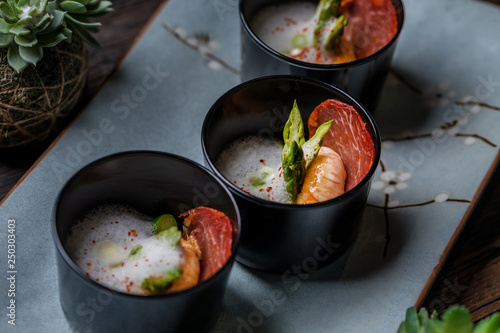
[100, 244]
[255, 160]
[277, 24]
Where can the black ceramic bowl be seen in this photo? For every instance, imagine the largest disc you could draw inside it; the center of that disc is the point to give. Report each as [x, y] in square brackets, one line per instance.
[277, 237]
[153, 183]
[362, 79]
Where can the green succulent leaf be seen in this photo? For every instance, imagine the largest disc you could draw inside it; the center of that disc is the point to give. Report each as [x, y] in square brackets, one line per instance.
[22, 3]
[28, 26]
[84, 35]
[423, 316]
[56, 22]
[43, 26]
[73, 7]
[68, 33]
[83, 2]
[413, 324]
[52, 39]
[434, 326]
[14, 58]
[19, 29]
[4, 26]
[42, 6]
[31, 54]
[102, 8]
[42, 21]
[26, 40]
[82, 21]
[51, 6]
[7, 13]
[6, 40]
[457, 320]
[489, 325]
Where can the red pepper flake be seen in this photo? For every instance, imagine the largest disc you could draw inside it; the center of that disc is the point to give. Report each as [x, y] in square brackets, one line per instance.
[112, 275]
[235, 182]
[135, 265]
[290, 21]
[116, 222]
[123, 263]
[87, 274]
[89, 264]
[269, 189]
[147, 260]
[92, 228]
[97, 279]
[263, 162]
[131, 239]
[261, 190]
[93, 241]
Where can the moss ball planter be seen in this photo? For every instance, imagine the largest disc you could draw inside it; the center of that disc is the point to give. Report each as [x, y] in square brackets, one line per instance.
[43, 64]
[35, 102]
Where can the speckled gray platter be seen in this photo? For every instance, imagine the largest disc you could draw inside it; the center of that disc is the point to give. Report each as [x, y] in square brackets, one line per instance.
[439, 118]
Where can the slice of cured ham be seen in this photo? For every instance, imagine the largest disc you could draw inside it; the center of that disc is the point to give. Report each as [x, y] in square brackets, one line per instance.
[372, 24]
[213, 232]
[348, 136]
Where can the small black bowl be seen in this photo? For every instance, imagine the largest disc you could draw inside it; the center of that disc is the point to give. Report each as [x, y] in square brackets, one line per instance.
[153, 183]
[277, 237]
[362, 79]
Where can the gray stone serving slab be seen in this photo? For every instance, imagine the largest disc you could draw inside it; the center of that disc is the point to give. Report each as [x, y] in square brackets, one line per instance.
[439, 119]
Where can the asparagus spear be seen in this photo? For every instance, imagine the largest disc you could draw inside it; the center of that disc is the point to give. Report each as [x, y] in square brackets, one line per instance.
[326, 10]
[312, 146]
[293, 163]
[333, 39]
[297, 153]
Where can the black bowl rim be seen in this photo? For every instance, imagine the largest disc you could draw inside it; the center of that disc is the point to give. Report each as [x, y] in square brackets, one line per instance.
[60, 248]
[313, 66]
[278, 205]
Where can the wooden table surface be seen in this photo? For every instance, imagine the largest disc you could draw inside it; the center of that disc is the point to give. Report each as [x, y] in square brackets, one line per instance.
[471, 274]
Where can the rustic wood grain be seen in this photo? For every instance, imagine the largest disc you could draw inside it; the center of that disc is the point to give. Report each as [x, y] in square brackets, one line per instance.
[471, 274]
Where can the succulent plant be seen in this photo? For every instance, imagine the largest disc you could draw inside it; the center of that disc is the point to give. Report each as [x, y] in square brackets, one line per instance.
[28, 26]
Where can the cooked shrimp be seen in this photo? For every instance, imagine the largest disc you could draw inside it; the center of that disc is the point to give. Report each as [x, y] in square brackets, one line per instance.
[190, 268]
[325, 178]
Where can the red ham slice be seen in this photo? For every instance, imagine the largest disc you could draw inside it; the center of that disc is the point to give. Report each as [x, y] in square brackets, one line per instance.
[348, 136]
[213, 232]
[372, 24]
